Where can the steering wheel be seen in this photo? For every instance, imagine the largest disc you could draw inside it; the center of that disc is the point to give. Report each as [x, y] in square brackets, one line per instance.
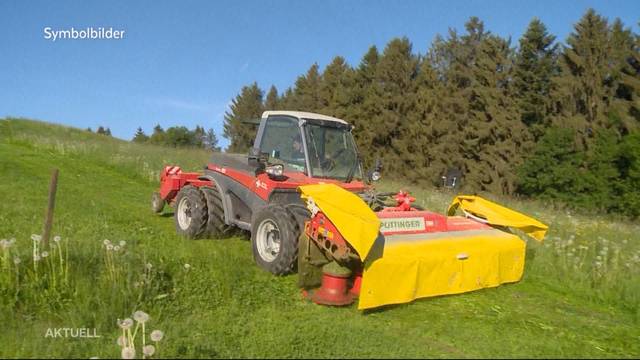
[328, 164]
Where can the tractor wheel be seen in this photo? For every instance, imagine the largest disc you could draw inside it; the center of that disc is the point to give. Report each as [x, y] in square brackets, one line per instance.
[216, 226]
[274, 240]
[157, 203]
[191, 212]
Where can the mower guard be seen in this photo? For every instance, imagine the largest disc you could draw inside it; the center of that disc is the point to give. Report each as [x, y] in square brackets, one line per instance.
[401, 267]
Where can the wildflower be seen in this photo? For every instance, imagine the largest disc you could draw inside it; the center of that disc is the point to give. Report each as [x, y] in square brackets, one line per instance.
[122, 341]
[45, 254]
[109, 247]
[128, 353]
[106, 242]
[157, 335]
[116, 248]
[16, 260]
[57, 238]
[126, 323]
[148, 350]
[141, 316]
[36, 238]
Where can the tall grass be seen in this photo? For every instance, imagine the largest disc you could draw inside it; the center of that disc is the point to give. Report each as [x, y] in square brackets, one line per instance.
[214, 302]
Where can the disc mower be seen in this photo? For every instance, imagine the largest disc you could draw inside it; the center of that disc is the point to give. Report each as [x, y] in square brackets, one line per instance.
[304, 197]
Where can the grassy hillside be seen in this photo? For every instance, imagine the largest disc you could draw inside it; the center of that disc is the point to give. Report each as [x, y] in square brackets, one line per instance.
[579, 296]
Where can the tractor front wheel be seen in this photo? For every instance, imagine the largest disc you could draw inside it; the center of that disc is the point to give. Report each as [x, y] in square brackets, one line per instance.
[190, 212]
[274, 239]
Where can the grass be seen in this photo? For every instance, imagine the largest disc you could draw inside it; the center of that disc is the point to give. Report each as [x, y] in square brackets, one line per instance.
[576, 298]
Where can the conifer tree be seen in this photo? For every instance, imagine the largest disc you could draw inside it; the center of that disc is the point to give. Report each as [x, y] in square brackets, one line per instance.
[140, 137]
[305, 93]
[245, 107]
[535, 67]
[272, 102]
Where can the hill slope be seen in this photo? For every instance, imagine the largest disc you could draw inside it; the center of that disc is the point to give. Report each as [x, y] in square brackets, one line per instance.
[222, 305]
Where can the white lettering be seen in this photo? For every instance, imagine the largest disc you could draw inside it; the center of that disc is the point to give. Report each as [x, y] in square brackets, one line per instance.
[47, 33]
[402, 224]
[86, 33]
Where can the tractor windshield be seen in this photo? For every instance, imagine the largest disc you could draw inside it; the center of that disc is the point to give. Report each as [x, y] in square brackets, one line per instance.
[331, 150]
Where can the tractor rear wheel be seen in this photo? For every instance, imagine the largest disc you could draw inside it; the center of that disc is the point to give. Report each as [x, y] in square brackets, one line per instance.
[216, 226]
[274, 240]
[191, 212]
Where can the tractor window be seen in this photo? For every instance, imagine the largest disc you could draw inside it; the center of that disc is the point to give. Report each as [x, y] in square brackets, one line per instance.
[332, 153]
[282, 141]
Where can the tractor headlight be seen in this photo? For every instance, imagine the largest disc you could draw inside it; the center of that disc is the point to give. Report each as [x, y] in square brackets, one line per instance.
[375, 176]
[275, 170]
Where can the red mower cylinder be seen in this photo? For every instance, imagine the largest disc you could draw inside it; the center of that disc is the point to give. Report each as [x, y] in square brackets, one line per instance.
[334, 288]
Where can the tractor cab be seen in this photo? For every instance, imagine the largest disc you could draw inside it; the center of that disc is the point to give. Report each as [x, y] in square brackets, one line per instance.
[316, 145]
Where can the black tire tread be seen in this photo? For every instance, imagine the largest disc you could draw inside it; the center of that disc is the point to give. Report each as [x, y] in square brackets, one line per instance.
[198, 217]
[287, 260]
[216, 226]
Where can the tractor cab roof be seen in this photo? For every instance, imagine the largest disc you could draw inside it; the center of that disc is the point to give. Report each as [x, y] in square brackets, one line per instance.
[303, 115]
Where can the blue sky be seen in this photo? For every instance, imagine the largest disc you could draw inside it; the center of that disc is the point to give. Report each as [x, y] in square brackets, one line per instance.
[181, 62]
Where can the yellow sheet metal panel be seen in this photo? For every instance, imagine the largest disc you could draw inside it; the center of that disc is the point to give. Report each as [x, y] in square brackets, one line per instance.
[417, 266]
[357, 223]
[498, 215]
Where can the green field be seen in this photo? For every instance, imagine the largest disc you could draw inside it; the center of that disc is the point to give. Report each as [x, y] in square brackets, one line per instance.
[580, 295]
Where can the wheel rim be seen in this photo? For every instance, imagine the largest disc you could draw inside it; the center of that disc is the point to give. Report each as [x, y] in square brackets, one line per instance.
[268, 240]
[184, 213]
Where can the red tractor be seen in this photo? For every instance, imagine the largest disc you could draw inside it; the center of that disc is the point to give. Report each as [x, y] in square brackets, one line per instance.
[302, 194]
[258, 192]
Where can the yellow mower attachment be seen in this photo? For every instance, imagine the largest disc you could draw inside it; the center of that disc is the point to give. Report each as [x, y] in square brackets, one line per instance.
[406, 255]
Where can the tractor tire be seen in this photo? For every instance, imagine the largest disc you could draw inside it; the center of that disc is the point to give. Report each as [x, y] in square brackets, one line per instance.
[274, 240]
[157, 203]
[190, 212]
[216, 226]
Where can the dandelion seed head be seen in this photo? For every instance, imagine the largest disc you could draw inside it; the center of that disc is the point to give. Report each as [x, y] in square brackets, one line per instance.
[57, 238]
[17, 260]
[128, 353]
[36, 258]
[122, 243]
[149, 266]
[45, 254]
[187, 266]
[109, 247]
[36, 237]
[157, 335]
[116, 248]
[141, 316]
[149, 350]
[106, 242]
[126, 323]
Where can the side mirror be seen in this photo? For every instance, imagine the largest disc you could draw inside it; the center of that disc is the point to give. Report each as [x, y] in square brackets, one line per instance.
[257, 159]
[376, 173]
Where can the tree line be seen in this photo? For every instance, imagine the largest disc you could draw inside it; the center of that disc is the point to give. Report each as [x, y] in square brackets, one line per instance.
[542, 119]
[179, 136]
